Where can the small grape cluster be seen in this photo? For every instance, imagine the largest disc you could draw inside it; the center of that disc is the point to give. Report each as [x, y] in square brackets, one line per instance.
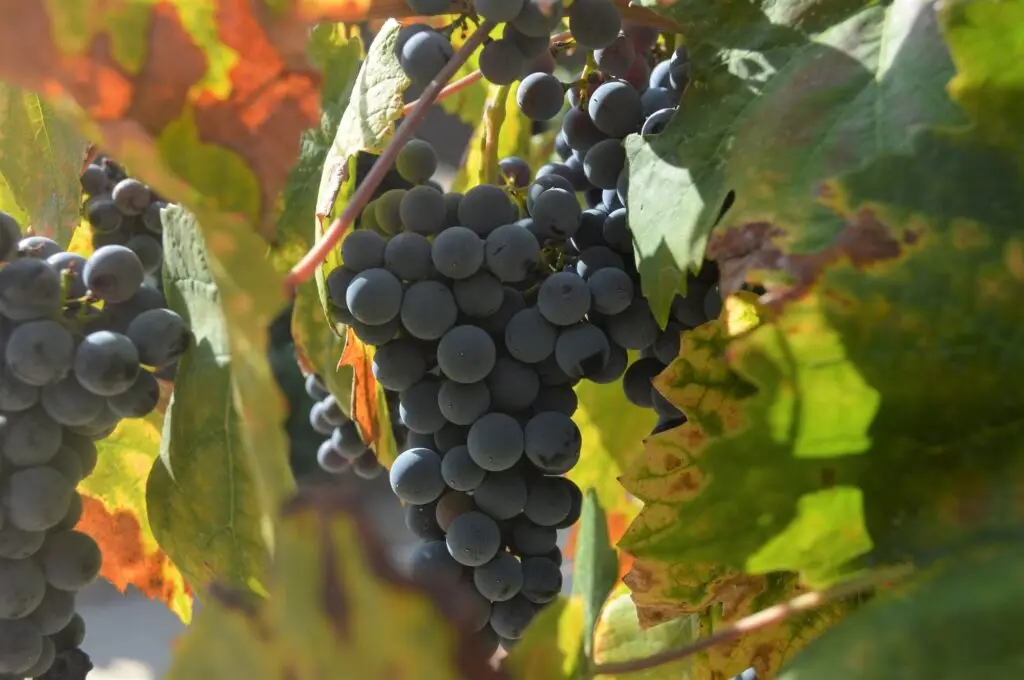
[123, 211]
[80, 341]
[343, 449]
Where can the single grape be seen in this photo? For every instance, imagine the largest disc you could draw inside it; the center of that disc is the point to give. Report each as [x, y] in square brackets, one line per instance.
[547, 501]
[428, 310]
[498, 11]
[473, 539]
[424, 54]
[512, 253]
[387, 211]
[510, 618]
[94, 180]
[636, 382]
[106, 363]
[71, 635]
[86, 450]
[657, 122]
[466, 354]
[16, 544]
[542, 579]
[160, 336]
[44, 664]
[458, 468]
[603, 163]
[70, 560]
[530, 46]
[560, 398]
[419, 409]
[39, 352]
[114, 273]
[55, 612]
[616, 58]
[374, 297]
[407, 256]
[76, 507]
[362, 249]
[366, 466]
[666, 347]
[72, 268]
[21, 647]
[502, 494]
[416, 476]
[511, 304]
[495, 442]
[500, 579]
[22, 587]
[713, 303]
[149, 251]
[529, 337]
[38, 247]
[661, 76]
[484, 208]
[423, 210]
[69, 403]
[540, 96]
[552, 374]
[513, 385]
[315, 387]
[132, 197]
[29, 289]
[152, 218]
[538, 19]
[479, 296]
[613, 369]
[617, 232]
[611, 290]
[99, 428]
[421, 520]
[688, 309]
[517, 170]
[616, 109]
[399, 364]
[30, 437]
[552, 442]
[432, 563]
[10, 234]
[542, 184]
[330, 460]
[635, 327]
[463, 403]
[347, 441]
[458, 252]
[556, 211]
[501, 62]
[36, 498]
[530, 539]
[655, 99]
[119, 315]
[16, 395]
[580, 132]
[594, 23]
[451, 506]
[563, 298]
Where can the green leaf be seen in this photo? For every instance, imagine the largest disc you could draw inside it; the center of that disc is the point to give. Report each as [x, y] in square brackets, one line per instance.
[595, 566]
[783, 95]
[222, 472]
[961, 619]
[619, 638]
[41, 157]
[470, 102]
[335, 603]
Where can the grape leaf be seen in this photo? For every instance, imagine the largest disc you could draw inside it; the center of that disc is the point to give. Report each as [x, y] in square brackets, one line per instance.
[41, 155]
[318, 347]
[205, 101]
[783, 96]
[115, 515]
[618, 637]
[962, 616]
[334, 603]
[369, 407]
[223, 467]
[595, 566]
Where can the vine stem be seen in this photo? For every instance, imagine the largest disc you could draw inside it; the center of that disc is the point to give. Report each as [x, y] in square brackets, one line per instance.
[302, 271]
[762, 619]
[449, 89]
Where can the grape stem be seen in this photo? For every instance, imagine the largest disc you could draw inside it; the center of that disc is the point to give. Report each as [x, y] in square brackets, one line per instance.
[302, 271]
[449, 90]
[762, 619]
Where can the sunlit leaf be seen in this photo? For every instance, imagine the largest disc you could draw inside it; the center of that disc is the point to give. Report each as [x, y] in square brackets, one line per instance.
[41, 156]
[782, 96]
[115, 514]
[618, 637]
[211, 493]
[595, 566]
[335, 603]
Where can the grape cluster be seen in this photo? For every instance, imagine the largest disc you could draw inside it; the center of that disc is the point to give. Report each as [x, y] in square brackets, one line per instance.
[343, 449]
[125, 212]
[80, 339]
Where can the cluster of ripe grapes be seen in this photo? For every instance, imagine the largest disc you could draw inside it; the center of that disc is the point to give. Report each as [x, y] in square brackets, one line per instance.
[343, 449]
[82, 340]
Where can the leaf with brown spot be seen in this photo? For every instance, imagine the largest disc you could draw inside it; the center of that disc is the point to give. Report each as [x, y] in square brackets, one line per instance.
[782, 96]
[116, 516]
[334, 602]
[206, 101]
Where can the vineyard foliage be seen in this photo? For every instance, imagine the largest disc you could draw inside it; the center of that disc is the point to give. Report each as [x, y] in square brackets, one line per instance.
[864, 412]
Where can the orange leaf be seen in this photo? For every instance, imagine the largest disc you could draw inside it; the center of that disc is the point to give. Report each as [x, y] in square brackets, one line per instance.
[214, 95]
[126, 558]
[359, 357]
